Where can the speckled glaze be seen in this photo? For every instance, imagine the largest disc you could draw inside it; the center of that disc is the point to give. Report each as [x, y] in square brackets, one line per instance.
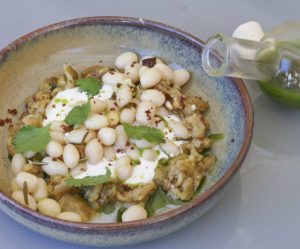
[86, 41]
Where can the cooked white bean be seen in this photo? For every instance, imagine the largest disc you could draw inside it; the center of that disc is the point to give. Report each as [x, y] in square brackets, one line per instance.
[113, 118]
[49, 207]
[109, 152]
[76, 136]
[42, 190]
[122, 137]
[81, 167]
[145, 112]
[19, 197]
[14, 185]
[180, 131]
[57, 125]
[96, 121]
[133, 152]
[149, 154]
[155, 96]
[162, 111]
[123, 168]
[30, 179]
[29, 154]
[54, 167]
[124, 95]
[112, 105]
[181, 76]
[91, 134]
[97, 105]
[112, 78]
[150, 78]
[143, 70]
[126, 58]
[57, 136]
[166, 72]
[135, 212]
[93, 151]
[69, 216]
[170, 148]
[131, 71]
[127, 115]
[71, 155]
[54, 149]
[107, 136]
[17, 163]
[142, 144]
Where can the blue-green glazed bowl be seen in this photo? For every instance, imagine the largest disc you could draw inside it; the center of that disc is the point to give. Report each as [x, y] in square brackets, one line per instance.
[87, 41]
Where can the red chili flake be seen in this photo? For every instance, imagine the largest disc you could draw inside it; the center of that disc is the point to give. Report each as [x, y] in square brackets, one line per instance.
[119, 150]
[8, 120]
[149, 62]
[66, 128]
[2, 122]
[112, 108]
[148, 114]
[12, 111]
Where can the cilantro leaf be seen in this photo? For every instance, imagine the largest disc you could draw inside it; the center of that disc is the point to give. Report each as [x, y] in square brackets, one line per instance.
[89, 181]
[30, 138]
[215, 137]
[163, 162]
[78, 114]
[159, 200]
[89, 85]
[121, 210]
[152, 135]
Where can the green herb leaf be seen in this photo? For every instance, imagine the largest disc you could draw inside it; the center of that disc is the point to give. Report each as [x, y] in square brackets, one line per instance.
[216, 137]
[152, 135]
[30, 138]
[89, 181]
[162, 119]
[78, 114]
[89, 85]
[120, 213]
[136, 162]
[163, 162]
[108, 209]
[159, 200]
[202, 183]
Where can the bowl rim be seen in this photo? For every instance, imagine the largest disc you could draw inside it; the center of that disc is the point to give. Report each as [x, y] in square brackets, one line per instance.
[140, 22]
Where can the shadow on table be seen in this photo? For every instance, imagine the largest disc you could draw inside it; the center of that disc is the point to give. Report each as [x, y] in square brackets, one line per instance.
[212, 231]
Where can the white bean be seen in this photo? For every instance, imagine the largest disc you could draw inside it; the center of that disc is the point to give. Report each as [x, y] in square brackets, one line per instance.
[162, 111]
[97, 105]
[14, 185]
[76, 136]
[19, 197]
[166, 72]
[170, 148]
[113, 118]
[133, 152]
[143, 70]
[145, 112]
[107, 136]
[109, 152]
[96, 121]
[91, 134]
[124, 95]
[123, 168]
[122, 137]
[42, 190]
[49, 207]
[93, 151]
[30, 179]
[155, 96]
[17, 163]
[71, 156]
[127, 115]
[54, 149]
[131, 71]
[29, 154]
[135, 212]
[180, 131]
[149, 154]
[56, 167]
[81, 167]
[69, 216]
[125, 59]
[181, 76]
[112, 78]
[57, 125]
[57, 136]
[142, 143]
[111, 105]
[150, 78]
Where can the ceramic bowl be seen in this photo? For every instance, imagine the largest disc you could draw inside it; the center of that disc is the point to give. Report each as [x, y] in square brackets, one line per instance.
[87, 41]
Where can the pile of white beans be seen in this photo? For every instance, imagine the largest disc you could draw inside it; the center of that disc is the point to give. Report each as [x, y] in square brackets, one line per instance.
[102, 133]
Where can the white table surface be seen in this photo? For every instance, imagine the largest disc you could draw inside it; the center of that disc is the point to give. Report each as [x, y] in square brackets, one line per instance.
[262, 208]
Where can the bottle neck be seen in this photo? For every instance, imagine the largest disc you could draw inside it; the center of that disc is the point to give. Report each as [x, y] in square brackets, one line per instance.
[226, 56]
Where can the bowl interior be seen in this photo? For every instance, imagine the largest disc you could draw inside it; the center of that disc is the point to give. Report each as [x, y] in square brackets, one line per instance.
[23, 69]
